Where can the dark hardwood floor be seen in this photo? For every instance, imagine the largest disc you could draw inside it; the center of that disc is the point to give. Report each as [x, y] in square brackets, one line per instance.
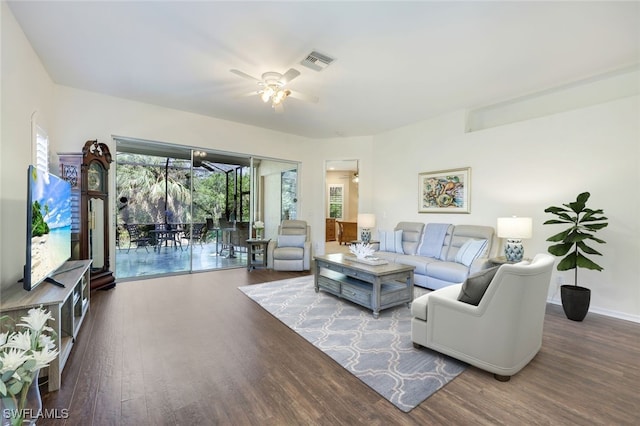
[194, 350]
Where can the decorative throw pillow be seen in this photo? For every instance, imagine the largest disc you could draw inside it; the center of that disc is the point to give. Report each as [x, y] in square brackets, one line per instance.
[391, 241]
[291, 240]
[476, 285]
[469, 251]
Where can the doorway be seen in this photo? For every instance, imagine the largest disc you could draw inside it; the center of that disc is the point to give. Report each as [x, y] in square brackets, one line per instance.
[341, 203]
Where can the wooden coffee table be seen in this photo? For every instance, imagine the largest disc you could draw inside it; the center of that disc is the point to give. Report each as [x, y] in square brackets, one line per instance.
[375, 287]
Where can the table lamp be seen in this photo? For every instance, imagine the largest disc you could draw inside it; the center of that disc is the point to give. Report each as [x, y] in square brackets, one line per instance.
[514, 229]
[366, 221]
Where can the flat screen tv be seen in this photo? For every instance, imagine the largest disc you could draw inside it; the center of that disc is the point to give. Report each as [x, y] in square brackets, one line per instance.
[48, 227]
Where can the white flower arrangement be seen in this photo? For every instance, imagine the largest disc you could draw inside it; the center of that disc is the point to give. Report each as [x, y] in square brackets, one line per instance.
[258, 224]
[22, 355]
[361, 250]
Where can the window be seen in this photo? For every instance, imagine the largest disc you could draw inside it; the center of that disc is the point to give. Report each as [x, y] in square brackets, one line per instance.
[289, 182]
[336, 200]
[41, 150]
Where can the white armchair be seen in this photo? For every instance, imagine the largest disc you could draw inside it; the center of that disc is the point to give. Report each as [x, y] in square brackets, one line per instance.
[291, 250]
[502, 333]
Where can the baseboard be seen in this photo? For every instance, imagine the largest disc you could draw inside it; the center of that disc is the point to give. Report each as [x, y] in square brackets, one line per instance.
[605, 312]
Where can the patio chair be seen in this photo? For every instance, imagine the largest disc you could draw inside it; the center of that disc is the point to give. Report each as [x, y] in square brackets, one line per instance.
[196, 232]
[228, 228]
[136, 236]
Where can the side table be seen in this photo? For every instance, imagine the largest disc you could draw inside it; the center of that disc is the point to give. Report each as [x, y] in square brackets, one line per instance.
[501, 260]
[257, 253]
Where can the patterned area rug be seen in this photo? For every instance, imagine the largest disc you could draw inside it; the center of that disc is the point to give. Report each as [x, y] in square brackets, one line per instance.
[378, 352]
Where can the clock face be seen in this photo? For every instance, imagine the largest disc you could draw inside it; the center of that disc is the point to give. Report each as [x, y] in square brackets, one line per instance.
[94, 177]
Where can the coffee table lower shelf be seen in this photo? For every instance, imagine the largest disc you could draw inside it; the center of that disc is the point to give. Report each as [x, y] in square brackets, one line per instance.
[360, 292]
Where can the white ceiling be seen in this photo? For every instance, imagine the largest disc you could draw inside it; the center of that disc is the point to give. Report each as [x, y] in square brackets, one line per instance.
[396, 62]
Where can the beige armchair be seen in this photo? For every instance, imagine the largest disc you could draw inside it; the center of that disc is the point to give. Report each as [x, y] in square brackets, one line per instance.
[291, 249]
[502, 333]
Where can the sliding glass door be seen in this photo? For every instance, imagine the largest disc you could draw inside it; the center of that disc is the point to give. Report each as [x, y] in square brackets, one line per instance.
[185, 210]
[154, 210]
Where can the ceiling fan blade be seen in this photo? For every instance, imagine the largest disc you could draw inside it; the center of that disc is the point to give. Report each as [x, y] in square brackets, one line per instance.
[289, 75]
[304, 97]
[244, 75]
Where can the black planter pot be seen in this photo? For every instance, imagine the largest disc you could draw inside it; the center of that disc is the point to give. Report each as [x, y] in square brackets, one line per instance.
[575, 301]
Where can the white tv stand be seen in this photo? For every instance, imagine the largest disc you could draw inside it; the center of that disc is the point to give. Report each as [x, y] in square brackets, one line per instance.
[68, 307]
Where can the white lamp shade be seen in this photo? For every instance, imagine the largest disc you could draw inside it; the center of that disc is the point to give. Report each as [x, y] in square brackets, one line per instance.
[366, 220]
[515, 227]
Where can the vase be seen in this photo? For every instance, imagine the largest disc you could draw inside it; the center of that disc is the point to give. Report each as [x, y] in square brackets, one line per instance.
[258, 233]
[24, 408]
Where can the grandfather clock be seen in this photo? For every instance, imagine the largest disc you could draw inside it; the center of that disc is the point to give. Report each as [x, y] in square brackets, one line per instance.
[90, 209]
[94, 204]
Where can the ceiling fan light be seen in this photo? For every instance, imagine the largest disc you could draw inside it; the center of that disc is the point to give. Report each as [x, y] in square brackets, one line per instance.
[267, 93]
[279, 96]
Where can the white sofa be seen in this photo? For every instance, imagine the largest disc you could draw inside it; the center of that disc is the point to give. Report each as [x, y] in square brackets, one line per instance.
[502, 333]
[437, 267]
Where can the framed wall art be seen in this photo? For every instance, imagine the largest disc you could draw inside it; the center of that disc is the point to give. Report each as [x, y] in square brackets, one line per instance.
[445, 191]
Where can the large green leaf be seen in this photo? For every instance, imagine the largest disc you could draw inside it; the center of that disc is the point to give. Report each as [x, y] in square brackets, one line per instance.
[560, 249]
[590, 215]
[595, 226]
[598, 240]
[557, 221]
[575, 236]
[555, 210]
[585, 248]
[583, 262]
[559, 237]
[568, 262]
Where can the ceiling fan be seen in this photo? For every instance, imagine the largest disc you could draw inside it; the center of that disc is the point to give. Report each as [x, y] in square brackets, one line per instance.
[271, 87]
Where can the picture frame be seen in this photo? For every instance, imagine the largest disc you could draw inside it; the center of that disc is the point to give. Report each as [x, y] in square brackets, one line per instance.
[445, 191]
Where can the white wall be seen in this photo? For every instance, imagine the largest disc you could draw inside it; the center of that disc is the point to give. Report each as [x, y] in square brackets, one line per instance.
[522, 168]
[27, 92]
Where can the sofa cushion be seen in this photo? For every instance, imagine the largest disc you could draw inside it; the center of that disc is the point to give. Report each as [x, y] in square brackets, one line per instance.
[293, 227]
[411, 236]
[288, 253]
[433, 239]
[469, 251]
[476, 285]
[291, 240]
[391, 241]
[462, 233]
[419, 262]
[448, 271]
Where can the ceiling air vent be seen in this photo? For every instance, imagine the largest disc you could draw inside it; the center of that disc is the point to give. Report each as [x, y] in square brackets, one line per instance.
[317, 61]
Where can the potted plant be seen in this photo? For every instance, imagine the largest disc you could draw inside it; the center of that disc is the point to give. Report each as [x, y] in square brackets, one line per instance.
[572, 244]
[22, 355]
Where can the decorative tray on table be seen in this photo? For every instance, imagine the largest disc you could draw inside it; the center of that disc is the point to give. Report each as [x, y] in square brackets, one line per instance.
[369, 260]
